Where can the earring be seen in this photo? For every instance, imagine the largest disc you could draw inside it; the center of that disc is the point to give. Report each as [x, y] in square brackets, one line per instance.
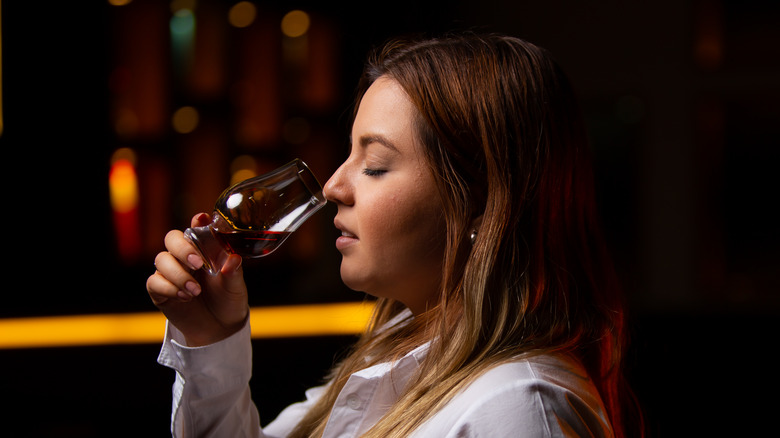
[473, 236]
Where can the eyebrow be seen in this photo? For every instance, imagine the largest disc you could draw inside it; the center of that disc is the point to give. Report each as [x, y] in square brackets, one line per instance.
[366, 140]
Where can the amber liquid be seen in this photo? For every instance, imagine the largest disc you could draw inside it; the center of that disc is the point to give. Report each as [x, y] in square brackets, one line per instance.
[252, 243]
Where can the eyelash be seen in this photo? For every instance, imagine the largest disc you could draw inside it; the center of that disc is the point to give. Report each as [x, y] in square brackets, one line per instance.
[373, 172]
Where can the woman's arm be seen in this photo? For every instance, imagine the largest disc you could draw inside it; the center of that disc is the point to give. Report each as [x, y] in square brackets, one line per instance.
[211, 395]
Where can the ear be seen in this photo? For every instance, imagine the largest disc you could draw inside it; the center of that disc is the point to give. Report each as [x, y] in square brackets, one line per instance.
[475, 223]
[474, 229]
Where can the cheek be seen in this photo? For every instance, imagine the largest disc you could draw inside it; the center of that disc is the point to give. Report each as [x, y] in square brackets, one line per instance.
[407, 226]
[385, 220]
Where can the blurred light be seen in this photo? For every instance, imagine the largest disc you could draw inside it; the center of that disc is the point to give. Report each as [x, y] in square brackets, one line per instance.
[242, 14]
[124, 154]
[119, 2]
[126, 123]
[68, 331]
[335, 319]
[123, 193]
[243, 167]
[122, 181]
[708, 34]
[241, 175]
[182, 28]
[243, 162]
[295, 23]
[185, 120]
[182, 22]
[177, 5]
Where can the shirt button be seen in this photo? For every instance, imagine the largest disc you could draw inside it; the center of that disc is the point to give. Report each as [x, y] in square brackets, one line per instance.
[354, 402]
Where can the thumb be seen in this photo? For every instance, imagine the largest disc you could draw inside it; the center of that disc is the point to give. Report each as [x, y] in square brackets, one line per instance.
[233, 275]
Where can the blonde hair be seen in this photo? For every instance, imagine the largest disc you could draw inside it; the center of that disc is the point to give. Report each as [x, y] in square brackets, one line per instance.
[504, 140]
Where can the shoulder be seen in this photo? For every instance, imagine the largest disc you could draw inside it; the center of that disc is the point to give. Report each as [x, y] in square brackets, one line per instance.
[546, 395]
[544, 374]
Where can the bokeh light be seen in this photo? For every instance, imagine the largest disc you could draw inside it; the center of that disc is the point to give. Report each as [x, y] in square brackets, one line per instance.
[177, 5]
[242, 14]
[185, 120]
[242, 167]
[124, 198]
[122, 181]
[183, 22]
[295, 23]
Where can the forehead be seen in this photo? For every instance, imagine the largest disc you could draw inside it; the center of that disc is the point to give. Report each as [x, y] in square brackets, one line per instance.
[385, 112]
[385, 91]
[385, 105]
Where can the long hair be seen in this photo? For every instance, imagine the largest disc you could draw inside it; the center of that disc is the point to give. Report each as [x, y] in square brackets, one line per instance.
[505, 142]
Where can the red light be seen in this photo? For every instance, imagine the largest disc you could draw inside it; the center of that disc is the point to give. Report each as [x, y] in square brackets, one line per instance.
[123, 190]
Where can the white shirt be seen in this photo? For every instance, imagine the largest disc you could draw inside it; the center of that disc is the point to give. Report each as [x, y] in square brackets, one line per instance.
[543, 396]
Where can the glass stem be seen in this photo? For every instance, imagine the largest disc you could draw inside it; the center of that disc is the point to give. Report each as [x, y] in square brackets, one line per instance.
[213, 254]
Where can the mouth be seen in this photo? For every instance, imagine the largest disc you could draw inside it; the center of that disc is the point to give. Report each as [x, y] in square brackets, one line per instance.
[346, 239]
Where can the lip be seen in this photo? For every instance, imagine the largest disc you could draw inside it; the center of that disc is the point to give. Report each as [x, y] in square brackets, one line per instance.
[346, 239]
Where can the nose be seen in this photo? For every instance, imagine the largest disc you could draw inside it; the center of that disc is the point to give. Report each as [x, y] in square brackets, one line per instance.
[337, 188]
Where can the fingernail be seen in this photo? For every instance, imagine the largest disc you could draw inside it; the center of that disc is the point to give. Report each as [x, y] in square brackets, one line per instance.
[195, 261]
[193, 288]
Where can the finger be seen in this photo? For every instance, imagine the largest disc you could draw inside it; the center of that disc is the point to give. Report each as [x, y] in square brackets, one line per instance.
[160, 290]
[183, 249]
[170, 268]
[200, 220]
[233, 274]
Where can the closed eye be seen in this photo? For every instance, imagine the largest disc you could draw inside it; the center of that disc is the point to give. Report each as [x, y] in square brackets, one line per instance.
[373, 172]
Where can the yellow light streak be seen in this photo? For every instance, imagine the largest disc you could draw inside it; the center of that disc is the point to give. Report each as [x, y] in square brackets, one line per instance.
[310, 320]
[148, 327]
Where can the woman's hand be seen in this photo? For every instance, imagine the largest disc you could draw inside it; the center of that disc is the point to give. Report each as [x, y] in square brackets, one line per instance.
[205, 308]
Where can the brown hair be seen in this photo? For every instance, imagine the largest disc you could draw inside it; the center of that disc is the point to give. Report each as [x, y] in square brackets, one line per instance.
[506, 144]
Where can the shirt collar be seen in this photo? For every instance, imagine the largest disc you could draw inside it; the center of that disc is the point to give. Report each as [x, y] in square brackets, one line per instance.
[410, 360]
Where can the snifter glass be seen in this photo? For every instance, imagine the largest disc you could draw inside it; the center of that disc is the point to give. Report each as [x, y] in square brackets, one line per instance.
[254, 217]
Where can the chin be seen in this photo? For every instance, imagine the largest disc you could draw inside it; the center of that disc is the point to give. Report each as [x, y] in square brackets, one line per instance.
[360, 283]
[351, 280]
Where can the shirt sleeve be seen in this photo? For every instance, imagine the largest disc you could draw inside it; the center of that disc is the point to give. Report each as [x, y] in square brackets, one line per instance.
[211, 395]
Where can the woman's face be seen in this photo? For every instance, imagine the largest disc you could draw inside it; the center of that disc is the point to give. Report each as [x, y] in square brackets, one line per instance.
[389, 211]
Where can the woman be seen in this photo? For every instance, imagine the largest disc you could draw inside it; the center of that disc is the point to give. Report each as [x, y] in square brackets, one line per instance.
[466, 207]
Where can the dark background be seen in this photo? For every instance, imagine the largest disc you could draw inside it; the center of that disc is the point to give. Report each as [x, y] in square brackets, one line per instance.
[681, 99]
